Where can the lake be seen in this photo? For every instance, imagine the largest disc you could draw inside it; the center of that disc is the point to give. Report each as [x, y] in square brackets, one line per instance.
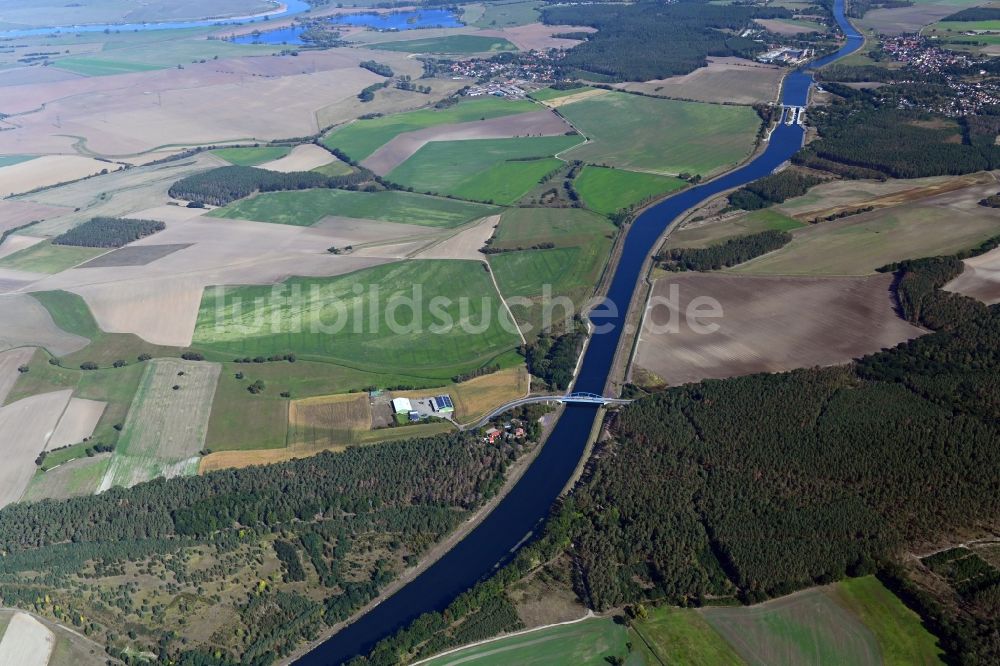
[397, 21]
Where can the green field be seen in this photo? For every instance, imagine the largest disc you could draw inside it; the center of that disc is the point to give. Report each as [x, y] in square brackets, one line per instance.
[545, 94]
[166, 424]
[508, 14]
[609, 190]
[563, 227]
[48, 258]
[251, 156]
[332, 319]
[334, 168]
[78, 478]
[587, 642]
[452, 167]
[363, 137]
[537, 275]
[452, 44]
[808, 627]
[10, 160]
[682, 636]
[307, 207]
[572, 269]
[962, 26]
[748, 223]
[661, 135]
[99, 67]
[153, 49]
[506, 182]
[901, 637]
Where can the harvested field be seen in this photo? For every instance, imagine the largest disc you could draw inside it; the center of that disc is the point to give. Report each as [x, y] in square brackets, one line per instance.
[570, 96]
[26, 425]
[403, 146]
[907, 19]
[859, 244]
[159, 301]
[239, 459]
[661, 135]
[166, 427]
[14, 213]
[981, 278]
[804, 628]
[15, 243]
[10, 361]
[26, 642]
[540, 37]
[49, 170]
[75, 478]
[128, 193]
[478, 396]
[42, 13]
[26, 322]
[732, 80]
[838, 196]
[77, 423]
[34, 75]
[465, 244]
[306, 157]
[241, 99]
[328, 420]
[136, 255]
[790, 27]
[768, 325]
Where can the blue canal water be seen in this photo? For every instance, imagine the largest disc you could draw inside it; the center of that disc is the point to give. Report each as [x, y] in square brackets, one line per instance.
[524, 509]
[400, 21]
[292, 7]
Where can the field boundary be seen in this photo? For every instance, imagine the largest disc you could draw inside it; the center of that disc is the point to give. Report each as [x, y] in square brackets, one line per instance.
[590, 614]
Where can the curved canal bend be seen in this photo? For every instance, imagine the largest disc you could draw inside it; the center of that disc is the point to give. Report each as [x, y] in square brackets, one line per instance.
[493, 542]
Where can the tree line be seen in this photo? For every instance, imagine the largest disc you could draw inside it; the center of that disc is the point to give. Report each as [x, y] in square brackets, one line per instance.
[772, 189]
[723, 255]
[108, 232]
[224, 185]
